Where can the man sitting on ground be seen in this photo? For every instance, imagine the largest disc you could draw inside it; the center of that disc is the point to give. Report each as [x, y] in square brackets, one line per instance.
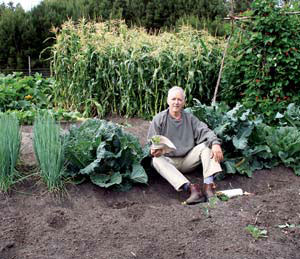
[195, 143]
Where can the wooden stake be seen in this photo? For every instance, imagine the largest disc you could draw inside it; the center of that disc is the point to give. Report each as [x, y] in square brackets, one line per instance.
[224, 55]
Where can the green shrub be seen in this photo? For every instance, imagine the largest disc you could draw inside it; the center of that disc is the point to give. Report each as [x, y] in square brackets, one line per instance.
[10, 141]
[49, 151]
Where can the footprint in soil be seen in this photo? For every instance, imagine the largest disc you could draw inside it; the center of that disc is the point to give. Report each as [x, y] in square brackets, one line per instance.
[134, 211]
[57, 219]
[120, 204]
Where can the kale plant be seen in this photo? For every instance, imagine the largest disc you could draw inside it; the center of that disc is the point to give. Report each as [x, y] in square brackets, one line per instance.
[249, 143]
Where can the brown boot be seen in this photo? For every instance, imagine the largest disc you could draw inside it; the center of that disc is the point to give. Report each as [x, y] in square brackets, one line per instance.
[196, 195]
[209, 190]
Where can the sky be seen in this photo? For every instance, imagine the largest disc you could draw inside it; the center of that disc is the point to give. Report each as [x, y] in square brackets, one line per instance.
[26, 4]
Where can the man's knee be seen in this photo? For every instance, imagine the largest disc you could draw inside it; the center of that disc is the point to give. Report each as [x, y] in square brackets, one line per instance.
[202, 147]
[158, 161]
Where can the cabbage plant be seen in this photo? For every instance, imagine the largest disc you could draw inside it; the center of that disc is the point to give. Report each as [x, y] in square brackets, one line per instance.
[104, 153]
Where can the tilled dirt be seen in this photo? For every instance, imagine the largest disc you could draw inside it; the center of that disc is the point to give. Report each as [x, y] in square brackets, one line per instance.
[149, 221]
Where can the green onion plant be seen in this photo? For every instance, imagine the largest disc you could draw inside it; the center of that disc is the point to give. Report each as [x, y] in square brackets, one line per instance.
[10, 141]
[49, 151]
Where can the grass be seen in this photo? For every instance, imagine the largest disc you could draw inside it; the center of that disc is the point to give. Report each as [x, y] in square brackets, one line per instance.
[10, 141]
[49, 151]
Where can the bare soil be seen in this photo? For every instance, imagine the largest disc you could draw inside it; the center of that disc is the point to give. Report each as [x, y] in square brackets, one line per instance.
[149, 221]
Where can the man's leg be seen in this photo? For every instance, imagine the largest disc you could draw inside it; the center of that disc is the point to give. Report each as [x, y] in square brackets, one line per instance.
[200, 154]
[210, 167]
[167, 169]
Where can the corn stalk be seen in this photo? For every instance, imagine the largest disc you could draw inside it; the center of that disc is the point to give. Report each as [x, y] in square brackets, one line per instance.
[103, 68]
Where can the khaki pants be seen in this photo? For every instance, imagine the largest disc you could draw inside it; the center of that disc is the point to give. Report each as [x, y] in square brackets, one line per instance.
[172, 168]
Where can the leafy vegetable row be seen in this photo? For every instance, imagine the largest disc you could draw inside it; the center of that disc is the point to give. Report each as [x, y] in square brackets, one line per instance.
[248, 142]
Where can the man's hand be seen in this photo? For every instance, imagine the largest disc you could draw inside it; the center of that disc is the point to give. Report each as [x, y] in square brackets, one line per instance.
[216, 153]
[156, 152]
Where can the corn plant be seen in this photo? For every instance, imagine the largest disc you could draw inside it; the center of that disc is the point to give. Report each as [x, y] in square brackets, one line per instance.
[49, 151]
[10, 142]
[103, 68]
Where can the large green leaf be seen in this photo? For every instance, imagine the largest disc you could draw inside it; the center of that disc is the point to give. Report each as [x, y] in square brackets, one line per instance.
[104, 180]
[245, 135]
[239, 143]
[296, 169]
[138, 174]
[91, 168]
[230, 167]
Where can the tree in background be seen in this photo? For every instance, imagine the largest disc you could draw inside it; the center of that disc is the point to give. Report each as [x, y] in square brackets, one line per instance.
[15, 36]
[242, 5]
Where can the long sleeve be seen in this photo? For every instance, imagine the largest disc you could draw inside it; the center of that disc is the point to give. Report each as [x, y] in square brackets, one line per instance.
[157, 124]
[203, 134]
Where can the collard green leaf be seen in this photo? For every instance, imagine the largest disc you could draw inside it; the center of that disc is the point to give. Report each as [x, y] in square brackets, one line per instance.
[296, 169]
[138, 174]
[262, 151]
[104, 180]
[244, 134]
[245, 168]
[230, 167]
[239, 143]
[91, 168]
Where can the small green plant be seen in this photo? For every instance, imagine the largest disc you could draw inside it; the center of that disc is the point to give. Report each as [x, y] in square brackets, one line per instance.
[49, 151]
[10, 141]
[211, 204]
[223, 197]
[155, 140]
[256, 232]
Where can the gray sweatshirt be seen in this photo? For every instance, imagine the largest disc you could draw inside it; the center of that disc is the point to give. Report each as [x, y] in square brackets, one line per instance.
[185, 133]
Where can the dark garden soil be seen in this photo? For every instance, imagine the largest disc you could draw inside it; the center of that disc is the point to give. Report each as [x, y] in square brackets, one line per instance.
[149, 221]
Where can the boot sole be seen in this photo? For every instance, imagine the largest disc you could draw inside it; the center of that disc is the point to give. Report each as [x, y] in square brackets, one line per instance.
[196, 201]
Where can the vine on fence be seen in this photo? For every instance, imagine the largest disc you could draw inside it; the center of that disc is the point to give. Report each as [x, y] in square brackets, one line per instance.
[263, 66]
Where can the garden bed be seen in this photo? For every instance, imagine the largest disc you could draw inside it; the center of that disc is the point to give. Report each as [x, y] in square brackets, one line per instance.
[149, 221]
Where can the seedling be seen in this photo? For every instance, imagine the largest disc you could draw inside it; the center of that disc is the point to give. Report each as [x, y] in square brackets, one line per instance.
[256, 232]
[210, 205]
[155, 140]
[223, 197]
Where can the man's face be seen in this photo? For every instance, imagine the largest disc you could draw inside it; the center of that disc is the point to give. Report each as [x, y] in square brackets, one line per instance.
[175, 101]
